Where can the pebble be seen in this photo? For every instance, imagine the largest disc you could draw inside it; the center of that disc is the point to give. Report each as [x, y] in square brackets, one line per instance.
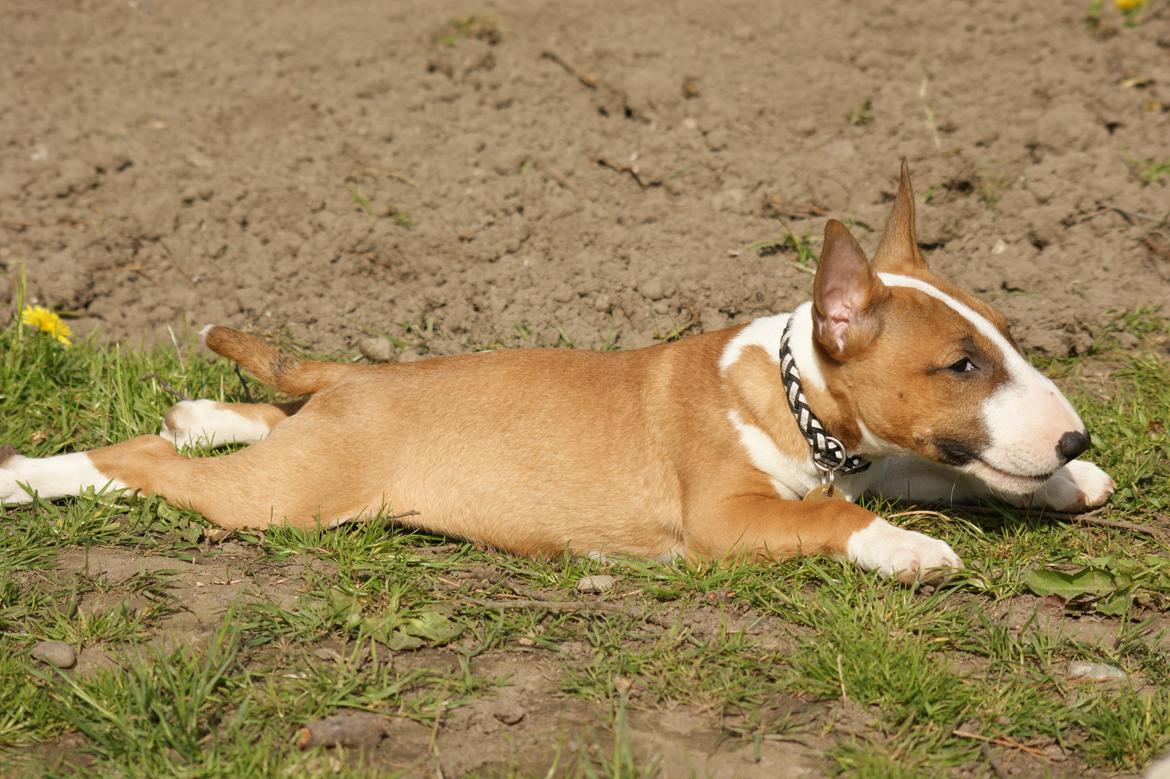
[1095, 672]
[600, 583]
[652, 289]
[347, 728]
[409, 355]
[56, 653]
[376, 349]
[508, 713]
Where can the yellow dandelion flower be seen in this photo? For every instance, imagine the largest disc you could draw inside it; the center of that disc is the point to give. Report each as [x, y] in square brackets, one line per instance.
[1128, 5]
[47, 322]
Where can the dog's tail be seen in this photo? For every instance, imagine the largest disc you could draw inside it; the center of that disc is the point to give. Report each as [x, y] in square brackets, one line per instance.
[271, 366]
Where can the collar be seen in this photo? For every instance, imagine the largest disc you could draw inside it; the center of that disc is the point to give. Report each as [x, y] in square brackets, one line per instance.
[828, 454]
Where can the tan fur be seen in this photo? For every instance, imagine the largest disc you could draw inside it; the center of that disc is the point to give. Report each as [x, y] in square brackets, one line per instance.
[529, 451]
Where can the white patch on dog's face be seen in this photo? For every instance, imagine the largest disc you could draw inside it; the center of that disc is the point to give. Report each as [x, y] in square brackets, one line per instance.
[1024, 417]
[790, 479]
[207, 423]
[51, 477]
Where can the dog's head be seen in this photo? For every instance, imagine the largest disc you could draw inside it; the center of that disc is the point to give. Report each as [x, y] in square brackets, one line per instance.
[928, 368]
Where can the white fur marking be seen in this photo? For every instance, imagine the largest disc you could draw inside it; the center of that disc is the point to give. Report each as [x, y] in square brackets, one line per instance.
[51, 477]
[203, 331]
[203, 422]
[892, 551]
[789, 478]
[764, 332]
[1017, 363]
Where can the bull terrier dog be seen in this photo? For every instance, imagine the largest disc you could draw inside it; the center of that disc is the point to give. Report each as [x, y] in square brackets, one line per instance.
[747, 442]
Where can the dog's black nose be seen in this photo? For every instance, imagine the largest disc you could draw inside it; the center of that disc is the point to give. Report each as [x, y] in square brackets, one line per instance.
[1073, 444]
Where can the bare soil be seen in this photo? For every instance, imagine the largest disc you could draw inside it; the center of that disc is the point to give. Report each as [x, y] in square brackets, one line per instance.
[517, 172]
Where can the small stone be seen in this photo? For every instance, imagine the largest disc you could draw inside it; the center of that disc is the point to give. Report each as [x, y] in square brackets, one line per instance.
[56, 653]
[599, 583]
[508, 713]
[328, 654]
[409, 355]
[1000, 247]
[652, 289]
[376, 349]
[346, 728]
[1095, 672]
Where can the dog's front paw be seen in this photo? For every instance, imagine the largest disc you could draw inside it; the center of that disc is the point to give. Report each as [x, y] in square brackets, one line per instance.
[1078, 486]
[906, 555]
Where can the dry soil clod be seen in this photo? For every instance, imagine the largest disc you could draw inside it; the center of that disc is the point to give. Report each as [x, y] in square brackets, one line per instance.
[354, 729]
[56, 653]
[599, 583]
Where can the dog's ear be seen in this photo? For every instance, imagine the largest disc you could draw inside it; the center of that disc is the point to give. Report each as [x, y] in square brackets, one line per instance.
[845, 292]
[898, 250]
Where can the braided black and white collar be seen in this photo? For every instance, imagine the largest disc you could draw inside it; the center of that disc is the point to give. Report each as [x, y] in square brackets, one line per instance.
[828, 454]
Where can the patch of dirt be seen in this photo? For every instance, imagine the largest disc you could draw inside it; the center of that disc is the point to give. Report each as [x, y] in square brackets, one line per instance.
[205, 588]
[595, 172]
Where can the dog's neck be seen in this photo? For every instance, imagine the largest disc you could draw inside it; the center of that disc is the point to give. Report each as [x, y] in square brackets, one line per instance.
[837, 414]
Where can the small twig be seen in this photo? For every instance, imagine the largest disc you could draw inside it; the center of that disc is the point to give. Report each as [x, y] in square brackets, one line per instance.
[1157, 247]
[619, 167]
[166, 387]
[563, 182]
[588, 79]
[1002, 742]
[244, 384]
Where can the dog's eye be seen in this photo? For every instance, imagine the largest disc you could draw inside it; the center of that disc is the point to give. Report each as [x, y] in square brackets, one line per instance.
[961, 366]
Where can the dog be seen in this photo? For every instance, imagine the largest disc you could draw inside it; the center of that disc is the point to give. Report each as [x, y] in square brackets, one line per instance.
[752, 441]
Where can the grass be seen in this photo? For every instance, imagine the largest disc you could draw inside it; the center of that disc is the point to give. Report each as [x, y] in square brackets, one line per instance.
[1150, 171]
[872, 678]
[804, 247]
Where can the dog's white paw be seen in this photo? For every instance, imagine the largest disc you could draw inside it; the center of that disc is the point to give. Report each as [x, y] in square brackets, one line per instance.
[1078, 486]
[11, 493]
[207, 423]
[905, 555]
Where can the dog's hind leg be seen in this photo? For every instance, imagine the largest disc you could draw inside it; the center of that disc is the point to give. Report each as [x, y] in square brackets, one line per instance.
[211, 424]
[258, 486]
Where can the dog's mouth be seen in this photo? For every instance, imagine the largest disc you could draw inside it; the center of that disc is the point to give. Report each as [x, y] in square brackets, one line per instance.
[1006, 481]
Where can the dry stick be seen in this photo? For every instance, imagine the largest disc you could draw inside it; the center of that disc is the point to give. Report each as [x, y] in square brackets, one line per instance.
[1156, 247]
[1003, 742]
[556, 177]
[588, 79]
[619, 167]
[166, 387]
